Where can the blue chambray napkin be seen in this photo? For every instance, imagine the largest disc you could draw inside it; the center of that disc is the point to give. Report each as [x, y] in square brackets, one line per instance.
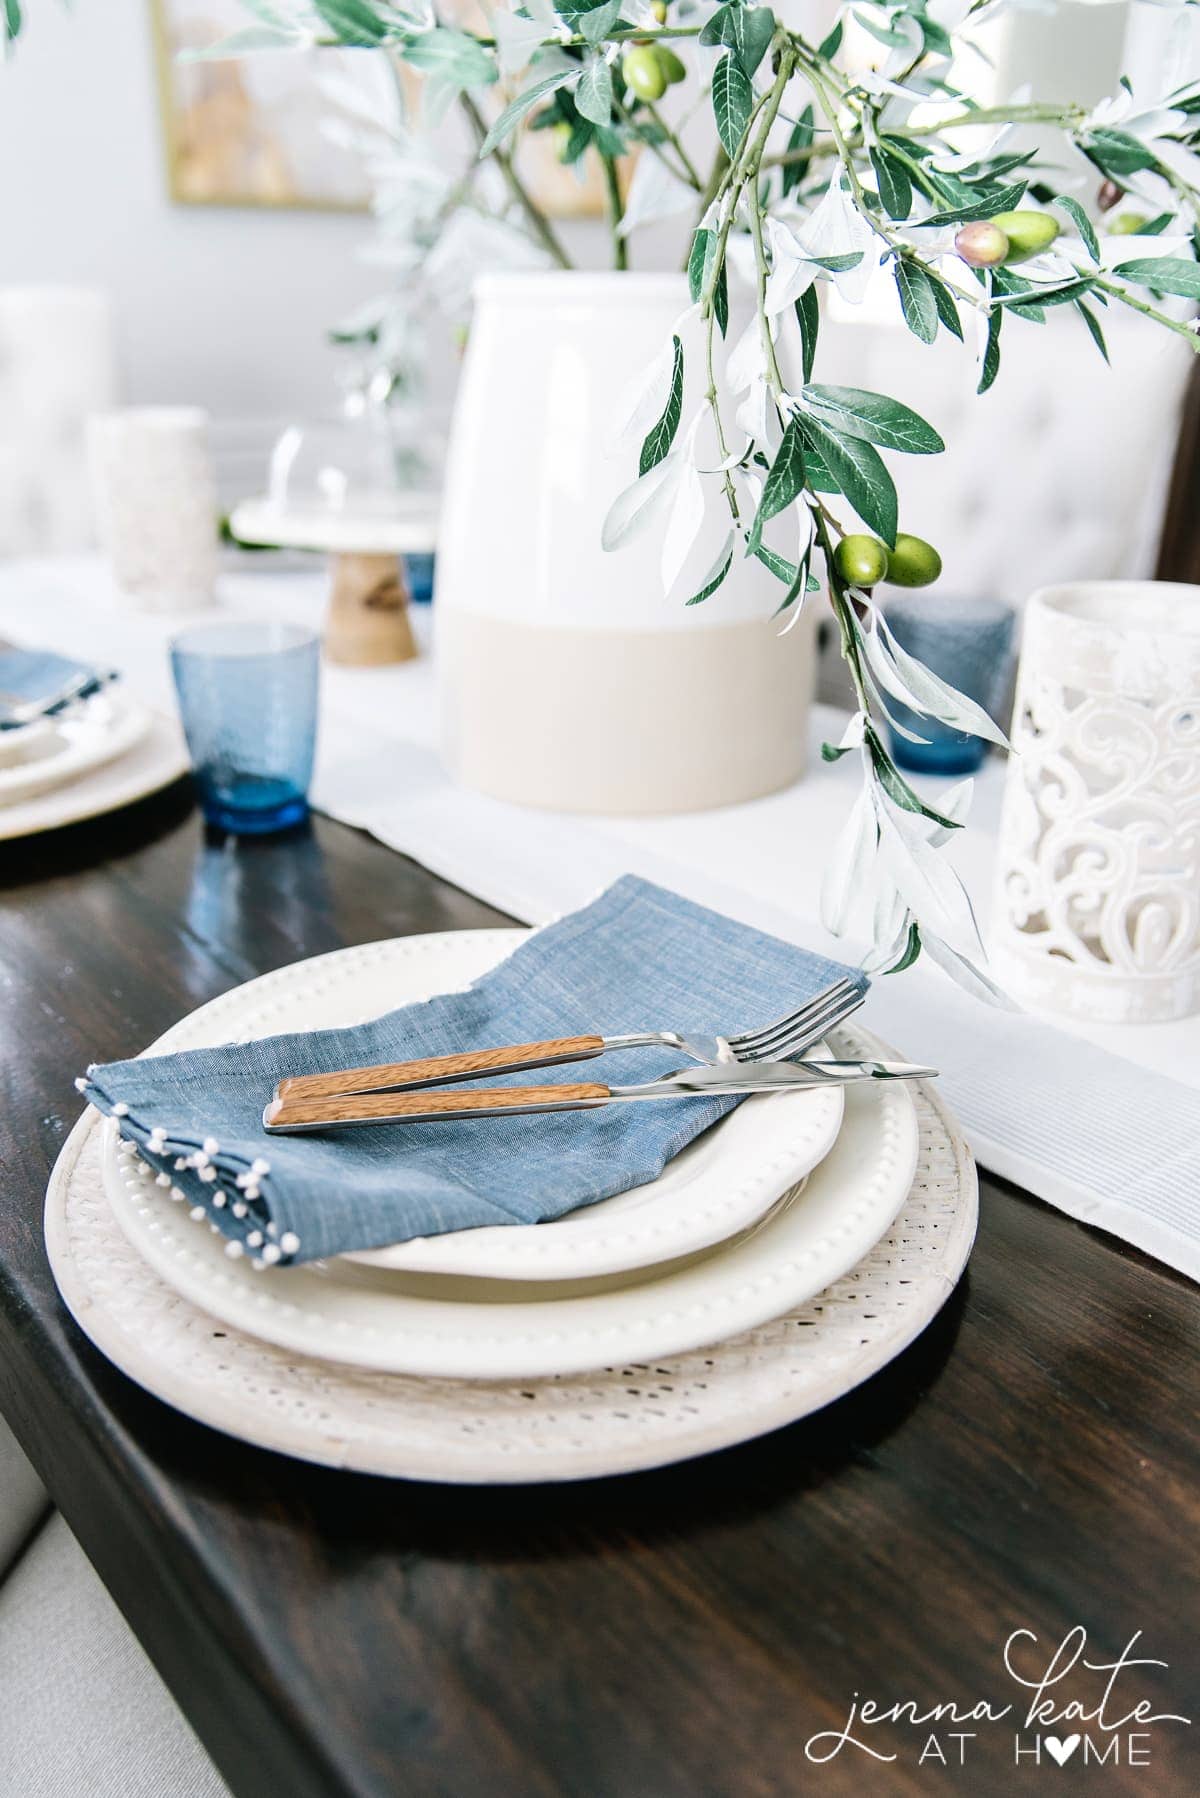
[32, 675]
[638, 958]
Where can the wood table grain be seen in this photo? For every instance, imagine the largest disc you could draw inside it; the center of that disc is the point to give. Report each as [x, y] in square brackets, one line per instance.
[1028, 1464]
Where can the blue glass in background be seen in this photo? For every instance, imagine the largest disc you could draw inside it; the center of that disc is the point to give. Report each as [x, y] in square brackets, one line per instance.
[248, 701]
[418, 572]
[968, 642]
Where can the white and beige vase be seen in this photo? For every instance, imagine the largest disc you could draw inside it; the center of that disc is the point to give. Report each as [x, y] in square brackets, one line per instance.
[567, 679]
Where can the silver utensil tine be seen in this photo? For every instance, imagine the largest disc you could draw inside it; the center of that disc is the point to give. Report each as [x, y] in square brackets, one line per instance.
[807, 1029]
[751, 1039]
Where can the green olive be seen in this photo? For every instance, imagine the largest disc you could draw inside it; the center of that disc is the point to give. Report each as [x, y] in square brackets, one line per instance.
[913, 562]
[1028, 233]
[1127, 223]
[659, 9]
[982, 244]
[861, 560]
[643, 72]
[673, 70]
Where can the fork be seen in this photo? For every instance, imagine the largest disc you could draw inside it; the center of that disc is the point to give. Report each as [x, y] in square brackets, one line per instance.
[790, 1034]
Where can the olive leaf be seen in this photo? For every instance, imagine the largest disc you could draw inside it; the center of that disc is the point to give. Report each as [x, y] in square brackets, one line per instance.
[915, 685]
[662, 435]
[1083, 225]
[918, 299]
[910, 952]
[1093, 324]
[452, 56]
[594, 94]
[705, 245]
[924, 879]
[716, 573]
[598, 21]
[1166, 274]
[858, 469]
[873, 416]
[785, 480]
[640, 503]
[1117, 153]
[799, 139]
[746, 30]
[780, 567]
[1002, 199]
[732, 99]
[991, 352]
[808, 318]
[947, 306]
[355, 23]
[849, 865]
[516, 109]
[895, 186]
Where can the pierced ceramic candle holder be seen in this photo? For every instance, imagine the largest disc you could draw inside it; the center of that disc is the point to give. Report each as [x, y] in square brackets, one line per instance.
[1097, 909]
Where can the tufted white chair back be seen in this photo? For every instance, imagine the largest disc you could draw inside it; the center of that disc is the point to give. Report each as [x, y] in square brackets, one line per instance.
[1058, 473]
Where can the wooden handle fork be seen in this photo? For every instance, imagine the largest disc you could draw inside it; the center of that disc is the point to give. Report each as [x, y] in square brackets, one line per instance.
[438, 1070]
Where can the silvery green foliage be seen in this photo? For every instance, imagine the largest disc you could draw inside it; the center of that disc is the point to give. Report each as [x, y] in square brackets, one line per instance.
[815, 176]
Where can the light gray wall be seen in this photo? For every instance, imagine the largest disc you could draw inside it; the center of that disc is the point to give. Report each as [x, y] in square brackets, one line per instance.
[219, 306]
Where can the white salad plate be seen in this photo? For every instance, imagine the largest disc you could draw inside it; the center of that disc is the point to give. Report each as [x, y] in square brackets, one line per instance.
[57, 751]
[155, 758]
[472, 1432]
[466, 1329]
[721, 1184]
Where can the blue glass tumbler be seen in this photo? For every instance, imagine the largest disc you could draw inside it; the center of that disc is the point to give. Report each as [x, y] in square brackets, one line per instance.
[968, 643]
[248, 701]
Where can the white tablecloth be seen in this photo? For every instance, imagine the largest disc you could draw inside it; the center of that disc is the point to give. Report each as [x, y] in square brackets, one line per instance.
[1103, 1122]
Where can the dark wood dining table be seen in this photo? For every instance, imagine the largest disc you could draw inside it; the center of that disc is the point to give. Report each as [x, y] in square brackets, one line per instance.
[1028, 1464]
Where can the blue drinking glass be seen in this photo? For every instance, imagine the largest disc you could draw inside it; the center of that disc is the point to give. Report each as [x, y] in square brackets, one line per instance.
[248, 701]
[970, 644]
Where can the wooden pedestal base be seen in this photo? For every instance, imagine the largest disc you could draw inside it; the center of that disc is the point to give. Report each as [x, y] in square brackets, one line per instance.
[368, 621]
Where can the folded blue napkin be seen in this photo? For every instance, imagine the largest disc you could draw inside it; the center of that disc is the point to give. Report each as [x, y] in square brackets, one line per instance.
[638, 958]
[28, 676]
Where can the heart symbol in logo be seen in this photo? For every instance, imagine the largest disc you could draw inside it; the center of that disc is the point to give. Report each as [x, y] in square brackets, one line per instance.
[1062, 1751]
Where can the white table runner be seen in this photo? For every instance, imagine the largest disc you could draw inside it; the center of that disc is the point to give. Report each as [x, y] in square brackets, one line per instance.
[1103, 1122]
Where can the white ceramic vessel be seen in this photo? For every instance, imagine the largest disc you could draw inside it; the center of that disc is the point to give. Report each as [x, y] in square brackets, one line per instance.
[1098, 896]
[569, 680]
[155, 495]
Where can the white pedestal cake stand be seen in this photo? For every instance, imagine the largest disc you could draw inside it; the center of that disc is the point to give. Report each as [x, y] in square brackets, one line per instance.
[368, 622]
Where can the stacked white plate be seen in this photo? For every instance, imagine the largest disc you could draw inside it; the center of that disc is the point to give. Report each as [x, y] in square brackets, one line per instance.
[529, 1352]
[99, 754]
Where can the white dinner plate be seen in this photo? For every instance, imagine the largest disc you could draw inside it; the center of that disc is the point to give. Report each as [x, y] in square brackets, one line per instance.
[154, 761]
[586, 1427]
[460, 1329]
[720, 1184]
[66, 749]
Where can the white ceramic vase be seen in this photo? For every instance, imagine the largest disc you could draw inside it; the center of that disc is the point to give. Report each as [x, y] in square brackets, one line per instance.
[568, 680]
[1097, 907]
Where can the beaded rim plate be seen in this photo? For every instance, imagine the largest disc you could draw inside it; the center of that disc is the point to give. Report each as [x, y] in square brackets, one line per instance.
[153, 762]
[455, 1328]
[625, 1418]
[721, 1184]
[80, 742]
[383, 1321]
